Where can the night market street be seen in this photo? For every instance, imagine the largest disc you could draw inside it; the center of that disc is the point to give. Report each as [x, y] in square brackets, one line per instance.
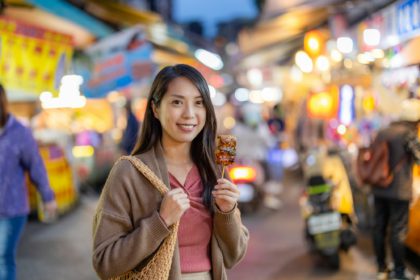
[276, 250]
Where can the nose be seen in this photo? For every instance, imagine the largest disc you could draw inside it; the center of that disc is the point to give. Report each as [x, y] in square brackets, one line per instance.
[188, 111]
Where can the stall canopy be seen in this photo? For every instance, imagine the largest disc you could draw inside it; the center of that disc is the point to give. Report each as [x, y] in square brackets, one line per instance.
[117, 13]
[58, 16]
[65, 10]
[41, 19]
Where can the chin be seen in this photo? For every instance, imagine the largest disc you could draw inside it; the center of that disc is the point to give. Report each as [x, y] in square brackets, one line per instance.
[186, 139]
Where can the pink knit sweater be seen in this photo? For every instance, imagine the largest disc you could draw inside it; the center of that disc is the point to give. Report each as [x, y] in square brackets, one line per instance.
[195, 227]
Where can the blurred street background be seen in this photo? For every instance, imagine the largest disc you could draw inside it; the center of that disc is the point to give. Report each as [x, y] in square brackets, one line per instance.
[302, 84]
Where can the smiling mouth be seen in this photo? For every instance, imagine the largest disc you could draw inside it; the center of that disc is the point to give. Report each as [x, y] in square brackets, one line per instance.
[187, 126]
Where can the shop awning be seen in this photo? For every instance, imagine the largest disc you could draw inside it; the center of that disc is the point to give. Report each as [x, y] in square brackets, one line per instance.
[119, 13]
[63, 9]
[42, 19]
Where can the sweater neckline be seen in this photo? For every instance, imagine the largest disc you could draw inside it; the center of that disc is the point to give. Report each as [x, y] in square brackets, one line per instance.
[187, 178]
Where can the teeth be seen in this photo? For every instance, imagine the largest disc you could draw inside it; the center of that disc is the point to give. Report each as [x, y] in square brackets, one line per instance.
[187, 125]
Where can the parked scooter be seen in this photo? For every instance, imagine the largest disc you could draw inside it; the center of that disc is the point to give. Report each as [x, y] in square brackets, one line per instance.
[247, 176]
[327, 230]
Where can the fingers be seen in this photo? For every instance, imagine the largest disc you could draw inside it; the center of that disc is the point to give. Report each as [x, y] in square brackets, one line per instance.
[223, 193]
[174, 205]
[179, 196]
[224, 184]
[226, 189]
[183, 202]
[230, 199]
[175, 191]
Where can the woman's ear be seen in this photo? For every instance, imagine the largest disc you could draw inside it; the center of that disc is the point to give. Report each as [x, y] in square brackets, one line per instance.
[155, 110]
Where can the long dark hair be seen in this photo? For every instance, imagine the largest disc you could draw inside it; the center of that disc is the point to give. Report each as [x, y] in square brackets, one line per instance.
[3, 107]
[203, 146]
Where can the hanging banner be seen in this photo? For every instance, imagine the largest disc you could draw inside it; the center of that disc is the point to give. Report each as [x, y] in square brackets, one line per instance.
[32, 60]
[116, 62]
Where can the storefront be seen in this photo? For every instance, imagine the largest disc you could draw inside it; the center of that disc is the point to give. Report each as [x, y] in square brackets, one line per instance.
[33, 60]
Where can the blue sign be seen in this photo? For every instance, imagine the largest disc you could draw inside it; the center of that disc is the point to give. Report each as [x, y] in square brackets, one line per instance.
[115, 71]
[408, 17]
[115, 63]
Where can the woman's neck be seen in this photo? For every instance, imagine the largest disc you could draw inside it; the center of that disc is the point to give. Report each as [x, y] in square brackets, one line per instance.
[177, 153]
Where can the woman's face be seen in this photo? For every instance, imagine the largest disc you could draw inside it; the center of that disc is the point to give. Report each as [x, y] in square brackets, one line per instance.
[181, 112]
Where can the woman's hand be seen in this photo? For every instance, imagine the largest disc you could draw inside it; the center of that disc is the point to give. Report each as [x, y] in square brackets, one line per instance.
[174, 204]
[226, 195]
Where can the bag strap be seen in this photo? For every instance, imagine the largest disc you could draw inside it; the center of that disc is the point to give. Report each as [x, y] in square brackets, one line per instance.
[149, 174]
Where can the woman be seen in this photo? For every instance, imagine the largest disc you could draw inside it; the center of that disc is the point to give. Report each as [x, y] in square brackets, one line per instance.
[18, 154]
[177, 142]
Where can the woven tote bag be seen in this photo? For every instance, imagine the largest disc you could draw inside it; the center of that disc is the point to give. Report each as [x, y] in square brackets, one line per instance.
[159, 265]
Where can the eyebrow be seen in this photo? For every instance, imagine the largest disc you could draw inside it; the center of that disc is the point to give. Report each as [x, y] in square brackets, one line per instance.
[182, 97]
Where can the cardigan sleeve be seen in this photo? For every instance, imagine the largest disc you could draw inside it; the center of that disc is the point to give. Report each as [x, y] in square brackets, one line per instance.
[232, 236]
[119, 243]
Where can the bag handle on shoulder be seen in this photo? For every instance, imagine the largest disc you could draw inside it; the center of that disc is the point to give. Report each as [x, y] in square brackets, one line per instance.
[149, 174]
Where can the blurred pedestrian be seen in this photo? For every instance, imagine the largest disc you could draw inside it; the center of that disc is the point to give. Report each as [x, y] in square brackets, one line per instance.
[276, 121]
[18, 154]
[131, 130]
[255, 136]
[177, 143]
[391, 203]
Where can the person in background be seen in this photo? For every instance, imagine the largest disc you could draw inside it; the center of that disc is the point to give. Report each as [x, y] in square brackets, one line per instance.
[391, 204]
[177, 143]
[255, 136]
[276, 121]
[130, 133]
[18, 154]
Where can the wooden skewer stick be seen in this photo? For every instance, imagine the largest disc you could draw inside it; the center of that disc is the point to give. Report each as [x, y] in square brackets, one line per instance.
[223, 171]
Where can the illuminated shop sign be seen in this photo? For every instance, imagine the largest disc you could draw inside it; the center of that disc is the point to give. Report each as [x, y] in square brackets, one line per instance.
[408, 14]
[346, 113]
[32, 59]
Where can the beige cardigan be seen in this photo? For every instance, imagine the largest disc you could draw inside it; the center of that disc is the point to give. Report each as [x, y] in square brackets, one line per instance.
[127, 227]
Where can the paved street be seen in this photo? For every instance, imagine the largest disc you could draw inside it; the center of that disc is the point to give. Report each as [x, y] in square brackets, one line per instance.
[276, 250]
[60, 250]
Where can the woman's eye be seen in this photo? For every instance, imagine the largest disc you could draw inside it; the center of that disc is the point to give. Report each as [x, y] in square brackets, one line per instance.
[199, 102]
[176, 102]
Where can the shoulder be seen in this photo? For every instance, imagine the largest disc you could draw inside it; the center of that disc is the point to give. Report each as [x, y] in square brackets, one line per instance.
[18, 130]
[128, 174]
[127, 190]
[123, 185]
[123, 168]
[16, 125]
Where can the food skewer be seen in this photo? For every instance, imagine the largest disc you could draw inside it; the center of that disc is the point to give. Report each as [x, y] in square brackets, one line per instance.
[225, 151]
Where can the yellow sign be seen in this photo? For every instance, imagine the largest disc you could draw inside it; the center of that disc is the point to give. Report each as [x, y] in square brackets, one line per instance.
[32, 60]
